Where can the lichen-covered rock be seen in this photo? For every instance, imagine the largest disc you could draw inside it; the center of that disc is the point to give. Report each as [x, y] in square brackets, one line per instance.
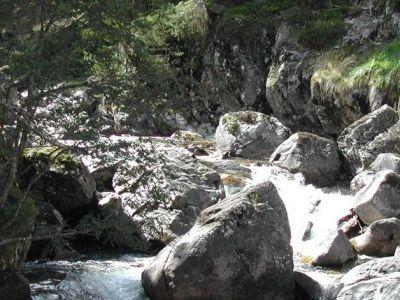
[380, 198]
[66, 182]
[375, 279]
[317, 158]
[366, 138]
[14, 286]
[165, 194]
[387, 161]
[238, 249]
[250, 134]
[381, 238]
[335, 250]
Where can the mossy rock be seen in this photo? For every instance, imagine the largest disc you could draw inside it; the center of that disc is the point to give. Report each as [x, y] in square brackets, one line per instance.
[59, 159]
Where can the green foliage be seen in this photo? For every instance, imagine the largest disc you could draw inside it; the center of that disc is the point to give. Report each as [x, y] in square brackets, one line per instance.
[258, 9]
[380, 69]
[323, 31]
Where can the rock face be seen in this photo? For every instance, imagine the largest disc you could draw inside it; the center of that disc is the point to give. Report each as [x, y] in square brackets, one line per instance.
[387, 161]
[238, 249]
[165, 194]
[66, 183]
[250, 134]
[381, 238]
[334, 251]
[375, 279]
[14, 286]
[366, 138]
[379, 199]
[315, 157]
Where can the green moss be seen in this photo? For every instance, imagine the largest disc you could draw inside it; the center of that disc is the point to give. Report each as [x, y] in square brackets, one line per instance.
[58, 158]
[323, 31]
[231, 121]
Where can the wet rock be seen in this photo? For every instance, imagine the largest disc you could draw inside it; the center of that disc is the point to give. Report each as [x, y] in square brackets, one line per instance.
[66, 182]
[238, 249]
[307, 231]
[361, 140]
[230, 167]
[361, 180]
[380, 239]
[317, 158]
[397, 252]
[14, 286]
[165, 194]
[232, 183]
[375, 279]
[250, 134]
[387, 161]
[186, 138]
[335, 250]
[380, 199]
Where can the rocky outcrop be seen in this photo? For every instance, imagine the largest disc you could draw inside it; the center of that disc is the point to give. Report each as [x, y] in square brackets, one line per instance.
[238, 249]
[250, 134]
[14, 286]
[315, 157]
[375, 279]
[66, 182]
[369, 136]
[380, 198]
[164, 194]
[335, 250]
[380, 239]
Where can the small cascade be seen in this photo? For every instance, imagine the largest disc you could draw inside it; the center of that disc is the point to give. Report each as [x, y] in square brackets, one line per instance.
[305, 203]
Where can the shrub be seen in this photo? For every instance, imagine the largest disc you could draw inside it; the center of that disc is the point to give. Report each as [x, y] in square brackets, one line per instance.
[324, 31]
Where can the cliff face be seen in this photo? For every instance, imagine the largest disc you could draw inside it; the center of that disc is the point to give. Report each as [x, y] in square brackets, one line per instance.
[292, 62]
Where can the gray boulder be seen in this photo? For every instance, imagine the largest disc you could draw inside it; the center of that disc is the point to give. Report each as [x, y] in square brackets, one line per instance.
[361, 180]
[375, 279]
[165, 194]
[66, 183]
[380, 198]
[381, 238]
[238, 249]
[387, 161]
[317, 158]
[250, 134]
[357, 142]
[315, 285]
[386, 142]
[335, 250]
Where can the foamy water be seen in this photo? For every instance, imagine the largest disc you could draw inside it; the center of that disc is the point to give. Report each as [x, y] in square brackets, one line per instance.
[300, 200]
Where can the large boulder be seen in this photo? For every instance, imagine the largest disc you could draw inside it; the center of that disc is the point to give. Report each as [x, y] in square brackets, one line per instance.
[380, 198]
[335, 250]
[375, 279]
[13, 286]
[380, 239]
[238, 249]
[250, 134]
[315, 285]
[66, 182]
[387, 161]
[165, 193]
[359, 141]
[317, 158]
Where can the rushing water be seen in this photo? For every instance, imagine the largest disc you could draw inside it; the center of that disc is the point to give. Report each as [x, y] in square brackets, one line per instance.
[103, 279]
[119, 277]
